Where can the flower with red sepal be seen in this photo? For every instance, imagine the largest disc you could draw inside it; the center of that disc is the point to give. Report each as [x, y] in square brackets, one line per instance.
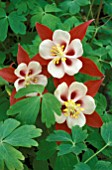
[78, 105]
[55, 43]
[29, 71]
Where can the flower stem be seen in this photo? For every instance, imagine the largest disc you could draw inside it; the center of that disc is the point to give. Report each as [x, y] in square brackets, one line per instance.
[96, 153]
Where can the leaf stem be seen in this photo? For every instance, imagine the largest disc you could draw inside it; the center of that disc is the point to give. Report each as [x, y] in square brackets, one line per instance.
[96, 153]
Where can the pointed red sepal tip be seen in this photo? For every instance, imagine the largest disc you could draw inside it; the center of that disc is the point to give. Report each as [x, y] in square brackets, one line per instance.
[66, 78]
[22, 56]
[8, 74]
[43, 31]
[94, 120]
[80, 31]
[62, 126]
[93, 86]
[90, 68]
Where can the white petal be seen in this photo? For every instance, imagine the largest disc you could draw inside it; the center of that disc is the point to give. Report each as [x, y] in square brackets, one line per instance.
[79, 89]
[72, 68]
[60, 37]
[81, 120]
[45, 49]
[76, 46]
[60, 119]
[35, 67]
[56, 71]
[88, 104]
[19, 85]
[41, 79]
[61, 90]
[21, 70]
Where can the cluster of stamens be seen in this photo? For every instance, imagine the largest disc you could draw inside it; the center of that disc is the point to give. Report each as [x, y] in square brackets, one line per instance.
[28, 79]
[58, 52]
[72, 109]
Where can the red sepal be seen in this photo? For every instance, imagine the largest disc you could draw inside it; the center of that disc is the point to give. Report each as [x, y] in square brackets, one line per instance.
[8, 74]
[45, 72]
[12, 99]
[62, 126]
[39, 59]
[93, 86]
[66, 78]
[94, 120]
[89, 67]
[80, 31]
[44, 32]
[22, 56]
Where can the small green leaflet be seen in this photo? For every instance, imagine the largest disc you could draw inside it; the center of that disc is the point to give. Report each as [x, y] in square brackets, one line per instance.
[3, 25]
[27, 109]
[50, 105]
[29, 89]
[46, 150]
[74, 144]
[106, 133]
[12, 134]
[81, 166]
[59, 135]
[65, 162]
[103, 165]
[18, 27]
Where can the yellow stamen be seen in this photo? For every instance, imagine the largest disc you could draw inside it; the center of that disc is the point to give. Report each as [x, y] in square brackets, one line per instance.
[72, 109]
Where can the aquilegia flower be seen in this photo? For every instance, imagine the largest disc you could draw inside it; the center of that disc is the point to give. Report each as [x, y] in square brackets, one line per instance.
[29, 74]
[76, 104]
[62, 53]
[29, 71]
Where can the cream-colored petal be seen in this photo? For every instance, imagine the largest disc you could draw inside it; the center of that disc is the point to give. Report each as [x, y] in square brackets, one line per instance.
[88, 103]
[76, 46]
[79, 89]
[80, 121]
[60, 119]
[41, 79]
[61, 37]
[34, 67]
[21, 70]
[56, 71]
[73, 68]
[19, 85]
[61, 90]
[45, 49]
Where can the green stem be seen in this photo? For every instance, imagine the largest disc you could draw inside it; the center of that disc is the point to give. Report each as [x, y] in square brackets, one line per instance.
[78, 160]
[99, 11]
[96, 153]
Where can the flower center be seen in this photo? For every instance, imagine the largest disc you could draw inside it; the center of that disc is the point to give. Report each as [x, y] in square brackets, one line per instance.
[58, 52]
[30, 80]
[72, 109]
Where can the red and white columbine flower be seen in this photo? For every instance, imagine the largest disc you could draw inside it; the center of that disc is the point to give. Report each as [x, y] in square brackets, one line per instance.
[62, 53]
[29, 74]
[29, 71]
[75, 104]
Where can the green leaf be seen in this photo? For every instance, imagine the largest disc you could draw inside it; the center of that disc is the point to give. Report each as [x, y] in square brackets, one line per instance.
[65, 162]
[99, 99]
[3, 28]
[4, 106]
[12, 135]
[37, 15]
[2, 13]
[18, 27]
[78, 135]
[29, 89]
[39, 165]
[50, 105]
[102, 165]
[46, 150]
[50, 20]
[52, 8]
[82, 166]
[59, 135]
[106, 133]
[27, 109]
[2, 58]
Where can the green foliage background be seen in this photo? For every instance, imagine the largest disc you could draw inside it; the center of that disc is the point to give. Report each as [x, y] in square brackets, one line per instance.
[87, 148]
